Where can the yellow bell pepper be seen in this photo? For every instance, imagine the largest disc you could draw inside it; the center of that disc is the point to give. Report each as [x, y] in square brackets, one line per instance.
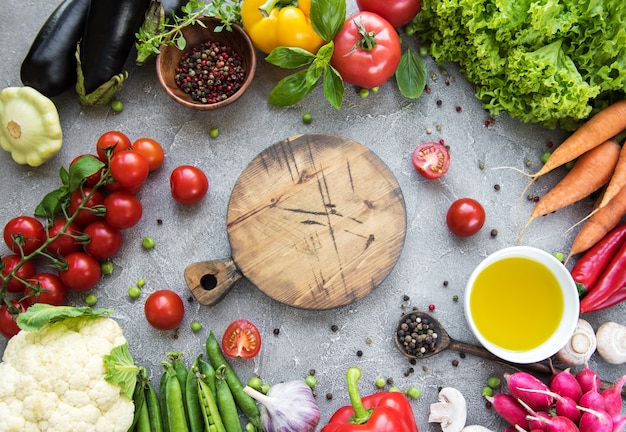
[280, 23]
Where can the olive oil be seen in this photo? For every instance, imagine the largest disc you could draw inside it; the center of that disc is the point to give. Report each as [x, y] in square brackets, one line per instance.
[516, 303]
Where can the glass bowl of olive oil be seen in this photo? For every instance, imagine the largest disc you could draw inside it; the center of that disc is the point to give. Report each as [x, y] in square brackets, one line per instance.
[522, 304]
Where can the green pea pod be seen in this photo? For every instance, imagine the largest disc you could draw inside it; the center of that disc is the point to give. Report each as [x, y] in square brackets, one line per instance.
[140, 403]
[143, 421]
[154, 409]
[163, 401]
[210, 410]
[192, 400]
[208, 375]
[226, 403]
[176, 417]
[246, 404]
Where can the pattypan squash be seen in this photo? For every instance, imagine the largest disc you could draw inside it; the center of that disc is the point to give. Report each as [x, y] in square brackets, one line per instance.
[30, 128]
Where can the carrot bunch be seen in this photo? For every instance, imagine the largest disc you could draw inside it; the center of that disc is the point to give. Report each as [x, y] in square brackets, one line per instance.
[600, 161]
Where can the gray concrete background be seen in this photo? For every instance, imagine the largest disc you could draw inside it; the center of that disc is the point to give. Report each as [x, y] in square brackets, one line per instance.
[389, 125]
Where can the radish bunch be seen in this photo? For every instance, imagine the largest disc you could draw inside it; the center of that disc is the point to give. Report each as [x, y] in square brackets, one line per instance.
[570, 403]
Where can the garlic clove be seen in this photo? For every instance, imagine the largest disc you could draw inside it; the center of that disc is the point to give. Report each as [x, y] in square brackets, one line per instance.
[581, 345]
[611, 338]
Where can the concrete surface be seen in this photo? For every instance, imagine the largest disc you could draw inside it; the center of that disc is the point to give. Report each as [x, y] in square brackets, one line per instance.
[432, 268]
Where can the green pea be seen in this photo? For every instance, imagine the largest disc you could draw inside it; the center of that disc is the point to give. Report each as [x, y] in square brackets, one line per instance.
[413, 392]
[265, 388]
[394, 389]
[91, 299]
[256, 383]
[487, 391]
[310, 381]
[106, 267]
[559, 256]
[380, 382]
[196, 326]
[148, 243]
[307, 118]
[423, 51]
[545, 157]
[134, 292]
[117, 106]
[364, 93]
[494, 382]
[214, 132]
[141, 283]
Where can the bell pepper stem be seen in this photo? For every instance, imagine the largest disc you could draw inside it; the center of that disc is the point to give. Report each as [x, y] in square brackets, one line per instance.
[361, 415]
[266, 8]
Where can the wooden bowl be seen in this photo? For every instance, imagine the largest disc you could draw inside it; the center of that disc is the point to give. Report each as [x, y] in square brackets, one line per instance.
[170, 56]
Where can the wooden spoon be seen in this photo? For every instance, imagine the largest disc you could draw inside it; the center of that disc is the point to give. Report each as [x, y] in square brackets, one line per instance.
[444, 342]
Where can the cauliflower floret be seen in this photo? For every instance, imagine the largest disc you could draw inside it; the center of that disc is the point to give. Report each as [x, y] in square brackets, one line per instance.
[53, 379]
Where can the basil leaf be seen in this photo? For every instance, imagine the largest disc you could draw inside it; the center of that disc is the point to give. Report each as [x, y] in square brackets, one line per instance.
[333, 86]
[328, 17]
[289, 58]
[325, 53]
[291, 89]
[64, 175]
[411, 75]
[40, 314]
[52, 203]
[314, 72]
[81, 169]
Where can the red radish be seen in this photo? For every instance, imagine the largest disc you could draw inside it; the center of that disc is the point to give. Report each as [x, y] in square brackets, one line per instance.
[588, 379]
[559, 424]
[536, 425]
[564, 406]
[613, 398]
[509, 409]
[592, 400]
[595, 421]
[520, 381]
[565, 384]
[619, 422]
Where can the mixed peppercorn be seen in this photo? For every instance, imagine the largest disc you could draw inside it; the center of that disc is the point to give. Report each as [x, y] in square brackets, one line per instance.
[417, 335]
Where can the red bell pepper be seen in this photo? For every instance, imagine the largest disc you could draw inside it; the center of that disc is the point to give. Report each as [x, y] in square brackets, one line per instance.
[379, 412]
[613, 278]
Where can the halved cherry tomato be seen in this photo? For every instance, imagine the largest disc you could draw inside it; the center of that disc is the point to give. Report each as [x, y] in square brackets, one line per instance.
[52, 291]
[241, 339]
[431, 159]
[129, 168]
[27, 270]
[25, 232]
[188, 184]
[465, 217]
[151, 150]
[123, 209]
[81, 273]
[8, 326]
[104, 241]
[66, 242]
[111, 142]
[164, 310]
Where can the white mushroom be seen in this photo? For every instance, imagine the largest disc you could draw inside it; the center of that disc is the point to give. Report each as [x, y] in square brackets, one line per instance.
[450, 411]
[581, 345]
[611, 338]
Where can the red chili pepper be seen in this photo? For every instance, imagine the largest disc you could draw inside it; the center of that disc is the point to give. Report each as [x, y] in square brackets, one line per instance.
[616, 298]
[613, 278]
[590, 266]
[379, 412]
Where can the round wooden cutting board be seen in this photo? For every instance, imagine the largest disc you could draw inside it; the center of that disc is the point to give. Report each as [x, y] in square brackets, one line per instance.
[315, 221]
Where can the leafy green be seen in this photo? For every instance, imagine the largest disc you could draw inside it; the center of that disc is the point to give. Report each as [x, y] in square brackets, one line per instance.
[39, 315]
[327, 17]
[411, 75]
[121, 370]
[553, 62]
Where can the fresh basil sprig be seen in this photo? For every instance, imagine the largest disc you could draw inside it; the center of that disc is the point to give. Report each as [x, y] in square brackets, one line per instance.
[411, 75]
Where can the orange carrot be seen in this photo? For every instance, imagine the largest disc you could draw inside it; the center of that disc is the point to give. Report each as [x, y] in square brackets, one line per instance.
[618, 180]
[592, 170]
[600, 223]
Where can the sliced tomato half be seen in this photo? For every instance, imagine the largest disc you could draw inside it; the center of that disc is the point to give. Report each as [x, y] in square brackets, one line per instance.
[431, 159]
[241, 339]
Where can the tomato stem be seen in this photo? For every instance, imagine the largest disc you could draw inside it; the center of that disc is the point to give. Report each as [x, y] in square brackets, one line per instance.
[367, 42]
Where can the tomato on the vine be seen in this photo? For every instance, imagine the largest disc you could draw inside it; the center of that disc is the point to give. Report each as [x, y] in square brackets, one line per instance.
[113, 142]
[188, 184]
[25, 232]
[151, 150]
[397, 12]
[104, 241]
[367, 50]
[90, 212]
[26, 270]
[431, 159]
[123, 209]
[50, 290]
[93, 179]
[129, 168]
[465, 217]
[241, 339]
[8, 325]
[67, 241]
[164, 309]
[81, 272]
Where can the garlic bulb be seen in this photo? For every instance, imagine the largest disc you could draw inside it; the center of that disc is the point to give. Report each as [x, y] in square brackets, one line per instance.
[611, 339]
[581, 345]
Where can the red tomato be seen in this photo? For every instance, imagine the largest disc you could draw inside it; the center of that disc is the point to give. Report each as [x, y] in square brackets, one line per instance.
[51, 290]
[397, 12]
[151, 150]
[111, 142]
[66, 242]
[241, 339]
[431, 159]
[129, 168]
[123, 209]
[24, 231]
[8, 326]
[465, 217]
[104, 240]
[360, 60]
[9, 262]
[188, 184]
[164, 310]
[90, 212]
[93, 179]
[81, 272]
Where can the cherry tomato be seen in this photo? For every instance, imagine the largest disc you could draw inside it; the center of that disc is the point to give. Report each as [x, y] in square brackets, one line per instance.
[113, 142]
[104, 241]
[397, 12]
[164, 310]
[81, 272]
[93, 179]
[129, 168]
[241, 339]
[24, 231]
[465, 217]
[8, 326]
[51, 290]
[66, 242]
[123, 209]
[151, 150]
[9, 263]
[91, 209]
[431, 159]
[360, 60]
[188, 184]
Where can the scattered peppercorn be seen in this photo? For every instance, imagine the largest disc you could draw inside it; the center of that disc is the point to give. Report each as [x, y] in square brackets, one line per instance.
[439, 102]
[334, 328]
[359, 353]
[406, 298]
[462, 355]
[455, 298]
[481, 165]
[389, 381]
[368, 341]
[159, 221]
[445, 283]
[276, 331]
[494, 232]
[455, 362]
[496, 187]
[329, 396]
[458, 108]
[431, 307]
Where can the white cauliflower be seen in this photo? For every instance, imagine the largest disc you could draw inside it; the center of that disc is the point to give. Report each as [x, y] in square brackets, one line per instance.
[56, 379]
